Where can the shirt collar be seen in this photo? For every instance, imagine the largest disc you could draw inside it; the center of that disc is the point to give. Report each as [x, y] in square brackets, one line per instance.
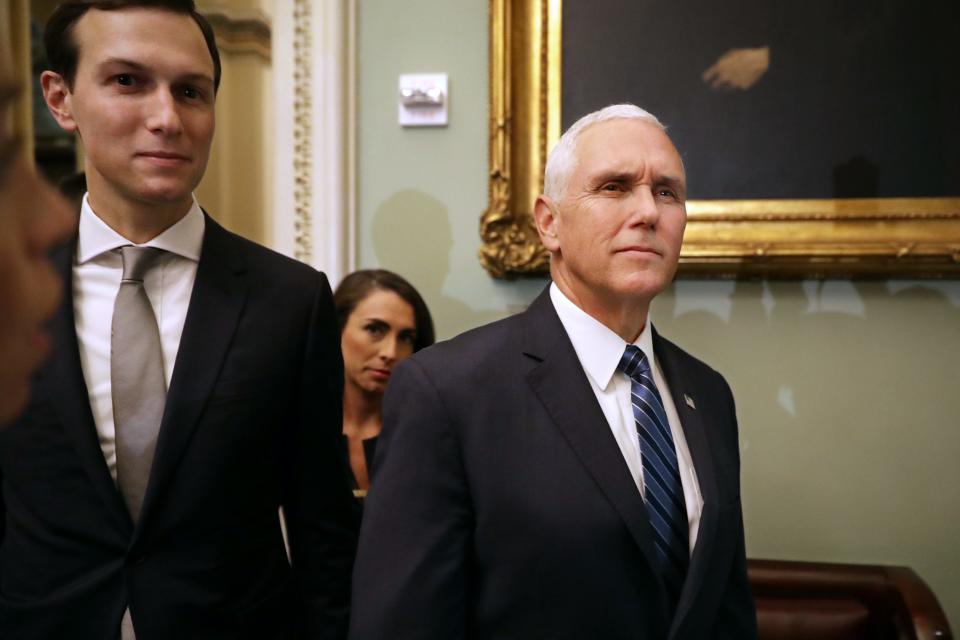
[96, 237]
[598, 348]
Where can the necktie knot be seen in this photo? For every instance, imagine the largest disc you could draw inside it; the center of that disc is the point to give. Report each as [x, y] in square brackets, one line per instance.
[634, 363]
[137, 261]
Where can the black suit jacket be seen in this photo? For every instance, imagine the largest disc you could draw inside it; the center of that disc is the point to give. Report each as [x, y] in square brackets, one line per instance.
[252, 422]
[502, 507]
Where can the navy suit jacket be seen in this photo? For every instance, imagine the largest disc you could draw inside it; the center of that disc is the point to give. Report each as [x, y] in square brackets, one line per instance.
[502, 507]
[252, 422]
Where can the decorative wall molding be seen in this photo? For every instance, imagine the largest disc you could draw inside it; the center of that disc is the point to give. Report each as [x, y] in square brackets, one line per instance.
[313, 217]
[303, 129]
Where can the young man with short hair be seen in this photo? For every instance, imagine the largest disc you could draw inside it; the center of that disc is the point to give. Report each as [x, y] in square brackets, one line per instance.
[195, 382]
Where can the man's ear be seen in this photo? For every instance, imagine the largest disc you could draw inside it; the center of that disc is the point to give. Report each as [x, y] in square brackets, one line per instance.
[545, 217]
[57, 95]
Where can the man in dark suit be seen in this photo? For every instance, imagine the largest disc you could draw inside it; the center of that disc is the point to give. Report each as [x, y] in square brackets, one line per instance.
[194, 386]
[565, 473]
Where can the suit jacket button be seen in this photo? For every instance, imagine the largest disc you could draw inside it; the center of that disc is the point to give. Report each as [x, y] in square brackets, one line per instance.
[138, 560]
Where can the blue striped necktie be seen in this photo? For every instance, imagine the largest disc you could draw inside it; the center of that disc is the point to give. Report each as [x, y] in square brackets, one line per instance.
[663, 491]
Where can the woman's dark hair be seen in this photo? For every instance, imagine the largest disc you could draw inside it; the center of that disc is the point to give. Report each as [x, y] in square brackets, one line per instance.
[359, 284]
[62, 47]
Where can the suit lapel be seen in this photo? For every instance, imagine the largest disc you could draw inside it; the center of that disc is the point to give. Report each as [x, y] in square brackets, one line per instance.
[562, 386]
[216, 303]
[695, 432]
[66, 387]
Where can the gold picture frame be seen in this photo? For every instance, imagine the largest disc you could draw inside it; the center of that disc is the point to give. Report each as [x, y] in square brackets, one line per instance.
[869, 237]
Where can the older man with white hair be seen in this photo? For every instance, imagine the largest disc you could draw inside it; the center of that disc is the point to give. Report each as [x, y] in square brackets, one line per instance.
[567, 472]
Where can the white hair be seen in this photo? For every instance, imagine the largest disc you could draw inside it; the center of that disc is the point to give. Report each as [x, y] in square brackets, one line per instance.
[563, 157]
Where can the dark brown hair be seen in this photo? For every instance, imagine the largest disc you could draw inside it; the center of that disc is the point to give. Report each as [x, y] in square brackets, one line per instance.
[359, 284]
[62, 47]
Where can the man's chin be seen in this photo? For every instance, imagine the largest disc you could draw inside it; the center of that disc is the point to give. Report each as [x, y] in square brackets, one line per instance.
[163, 194]
[644, 285]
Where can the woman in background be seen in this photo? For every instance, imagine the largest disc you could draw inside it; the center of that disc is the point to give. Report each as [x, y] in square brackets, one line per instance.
[33, 218]
[383, 320]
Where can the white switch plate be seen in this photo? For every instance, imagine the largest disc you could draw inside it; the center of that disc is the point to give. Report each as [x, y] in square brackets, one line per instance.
[422, 99]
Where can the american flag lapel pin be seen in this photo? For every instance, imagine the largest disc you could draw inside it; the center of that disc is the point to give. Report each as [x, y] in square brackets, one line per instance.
[690, 402]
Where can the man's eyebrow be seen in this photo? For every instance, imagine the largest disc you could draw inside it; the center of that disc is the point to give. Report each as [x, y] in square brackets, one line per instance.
[196, 78]
[674, 182]
[137, 66]
[612, 175]
[123, 62]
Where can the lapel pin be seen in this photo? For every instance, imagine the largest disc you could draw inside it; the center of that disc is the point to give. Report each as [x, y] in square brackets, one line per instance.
[690, 402]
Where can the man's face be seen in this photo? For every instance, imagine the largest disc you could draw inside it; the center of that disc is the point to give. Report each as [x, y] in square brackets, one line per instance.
[615, 235]
[143, 103]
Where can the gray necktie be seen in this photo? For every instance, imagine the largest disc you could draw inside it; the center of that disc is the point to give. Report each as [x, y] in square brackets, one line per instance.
[136, 375]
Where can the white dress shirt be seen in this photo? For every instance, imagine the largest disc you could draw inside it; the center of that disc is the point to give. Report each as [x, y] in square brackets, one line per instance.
[96, 280]
[599, 350]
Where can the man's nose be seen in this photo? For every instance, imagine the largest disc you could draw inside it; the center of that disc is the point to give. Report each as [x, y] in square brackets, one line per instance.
[644, 209]
[164, 115]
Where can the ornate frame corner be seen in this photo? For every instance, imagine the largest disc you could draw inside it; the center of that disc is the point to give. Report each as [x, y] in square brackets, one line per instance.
[524, 123]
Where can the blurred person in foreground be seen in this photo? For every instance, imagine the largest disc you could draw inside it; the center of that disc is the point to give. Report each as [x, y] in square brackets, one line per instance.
[383, 320]
[567, 472]
[194, 385]
[33, 218]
